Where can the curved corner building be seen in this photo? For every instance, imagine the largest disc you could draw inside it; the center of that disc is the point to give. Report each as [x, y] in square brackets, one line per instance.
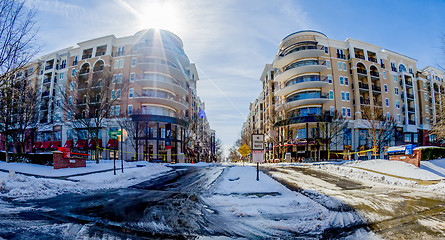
[312, 77]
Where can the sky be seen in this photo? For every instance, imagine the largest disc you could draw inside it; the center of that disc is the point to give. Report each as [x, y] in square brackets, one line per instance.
[231, 41]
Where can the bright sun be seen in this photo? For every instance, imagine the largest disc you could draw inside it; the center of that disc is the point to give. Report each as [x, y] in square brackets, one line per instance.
[159, 14]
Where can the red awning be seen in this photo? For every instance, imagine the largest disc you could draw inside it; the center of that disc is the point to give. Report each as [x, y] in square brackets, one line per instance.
[92, 144]
[112, 143]
[81, 143]
[45, 145]
[55, 144]
[36, 145]
[68, 143]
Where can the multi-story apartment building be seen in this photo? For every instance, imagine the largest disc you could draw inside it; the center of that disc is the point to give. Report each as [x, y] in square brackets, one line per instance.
[313, 75]
[154, 84]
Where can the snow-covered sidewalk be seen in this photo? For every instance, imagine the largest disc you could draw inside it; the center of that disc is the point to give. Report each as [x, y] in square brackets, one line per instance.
[21, 187]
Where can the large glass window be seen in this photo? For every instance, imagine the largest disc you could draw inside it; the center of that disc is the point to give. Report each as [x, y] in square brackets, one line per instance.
[301, 63]
[301, 133]
[310, 78]
[153, 110]
[305, 95]
[347, 137]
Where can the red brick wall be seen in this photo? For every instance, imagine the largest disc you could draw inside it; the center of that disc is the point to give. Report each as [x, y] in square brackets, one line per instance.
[60, 162]
[412, 158]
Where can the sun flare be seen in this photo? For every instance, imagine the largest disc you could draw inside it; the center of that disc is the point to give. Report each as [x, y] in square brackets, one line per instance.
[159, 14]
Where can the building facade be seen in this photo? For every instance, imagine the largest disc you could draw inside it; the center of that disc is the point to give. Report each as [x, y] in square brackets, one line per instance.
[152, 82]
[312, 75]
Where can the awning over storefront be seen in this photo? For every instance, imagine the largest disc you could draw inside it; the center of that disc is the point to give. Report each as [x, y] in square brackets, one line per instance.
[68, 143]
[81, 143]
[112, 143]
[45, 145]
[36, 145]
[92, 144]
[55, 144]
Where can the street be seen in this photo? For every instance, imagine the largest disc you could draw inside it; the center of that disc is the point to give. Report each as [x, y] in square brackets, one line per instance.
[392, 212]
[175, 205]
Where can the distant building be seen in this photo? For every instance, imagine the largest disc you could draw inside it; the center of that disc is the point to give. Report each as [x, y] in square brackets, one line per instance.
[312, 74]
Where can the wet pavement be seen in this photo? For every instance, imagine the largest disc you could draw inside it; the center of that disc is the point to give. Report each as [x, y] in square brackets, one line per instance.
[391, 212]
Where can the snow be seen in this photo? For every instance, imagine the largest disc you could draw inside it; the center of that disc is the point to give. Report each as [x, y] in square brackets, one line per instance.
[267, 208]
[42, 170]
[435, 166]
[23, 187]
[397, 168]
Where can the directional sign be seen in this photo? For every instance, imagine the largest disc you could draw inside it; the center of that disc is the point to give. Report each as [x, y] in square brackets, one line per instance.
[257, 141]
[244, 150]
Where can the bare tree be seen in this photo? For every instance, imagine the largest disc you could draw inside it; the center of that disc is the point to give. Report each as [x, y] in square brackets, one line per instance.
[233, 153]
[380, 129]
[89, 98]
[438, 129]
[218, 150]
[17, 35]
[133, 130]
[331, 130]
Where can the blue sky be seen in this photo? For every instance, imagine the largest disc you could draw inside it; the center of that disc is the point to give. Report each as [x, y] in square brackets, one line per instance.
[230, 41]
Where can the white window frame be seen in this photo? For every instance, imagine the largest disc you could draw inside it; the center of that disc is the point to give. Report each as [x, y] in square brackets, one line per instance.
[112, 111]
[347, 96]
[386, 88]
[344, 67]
[328, 64]
[118, 94]
[331, 96]
[119, 78]
[348, 112]
[397, 104]
[387, 102]
[330, 79]
[130, 109]
[132, 76]
[121, 63]
[114, 78]
[332, 110]
[343, 96]
[118, 110]
[346, 81]
[116, 64]
[130, 93]
[133, 62]
[340, 66]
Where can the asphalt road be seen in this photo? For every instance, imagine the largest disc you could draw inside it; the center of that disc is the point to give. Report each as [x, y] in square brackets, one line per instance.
[391, 212]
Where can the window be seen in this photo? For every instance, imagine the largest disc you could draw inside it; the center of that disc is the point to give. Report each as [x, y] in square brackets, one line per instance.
[426, 109]
[384, 75]
[341, 80]
[121, 63]
[347, 96]
[71, 86]
[301, 133]
[331, 94]
[114, 78]
[118, 94]
[326, 50]
[112, 111]
[387, 116]
[424, 85]
[69, 115]
[427, 120]
[113, 96]
[116, 64]
[394, 78]
[118, 110]
[130, 93]
[342, 95]
[346, 81]
[70, 100]
[397, 104]
[133, 62]
[387, 102]
[119, 78]
[347, 136]
[398, 117]
[339, 66]
[73, 72]
[328, 64]
[62, 75]
[396, 91]
[407, 137]
[332, 110]
[131, 77]
[426, 96]
[130, 109]
[348, 110]
[343, 110]
[330, 79]
[344, 67]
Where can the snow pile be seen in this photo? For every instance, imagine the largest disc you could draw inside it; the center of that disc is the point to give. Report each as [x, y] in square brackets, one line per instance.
[267, 208]
[397, 168]
[22, 187]
[435, 166]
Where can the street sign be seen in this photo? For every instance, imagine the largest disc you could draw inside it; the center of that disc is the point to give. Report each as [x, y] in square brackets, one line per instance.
[244, 150]
[257, 142]
[114, 134]
[257, 156]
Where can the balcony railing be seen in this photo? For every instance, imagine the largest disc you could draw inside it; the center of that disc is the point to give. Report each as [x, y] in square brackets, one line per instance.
[372, 59]
[301, 48]
[49, 67]
[100, 53]
[376, 88]
[361, 71]
[374, 74]
[84, 71]
[46, 80]
[301, 64]
[361, 56]
[408, 82]
[364, 101]
[410, 95]
[363, 85]
[45, 94]
[86, 56]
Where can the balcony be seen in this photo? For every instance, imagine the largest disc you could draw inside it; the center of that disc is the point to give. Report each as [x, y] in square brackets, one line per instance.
[315, 82]
[408, 82]
[372, 59]
[173, 102]
[363, 86]
[298, 53]
[361, 56]
[100, 54]
[376, 88]
[46, 80]
[306, 98]
[84, 71]
[49, 67]
[364, 101]
[294, 70]
[362, 71]
[45, 94]
[374, 74]
[410, 109]
[410, 95]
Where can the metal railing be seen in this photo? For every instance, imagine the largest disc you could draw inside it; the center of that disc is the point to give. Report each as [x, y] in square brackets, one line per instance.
[362, 71]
